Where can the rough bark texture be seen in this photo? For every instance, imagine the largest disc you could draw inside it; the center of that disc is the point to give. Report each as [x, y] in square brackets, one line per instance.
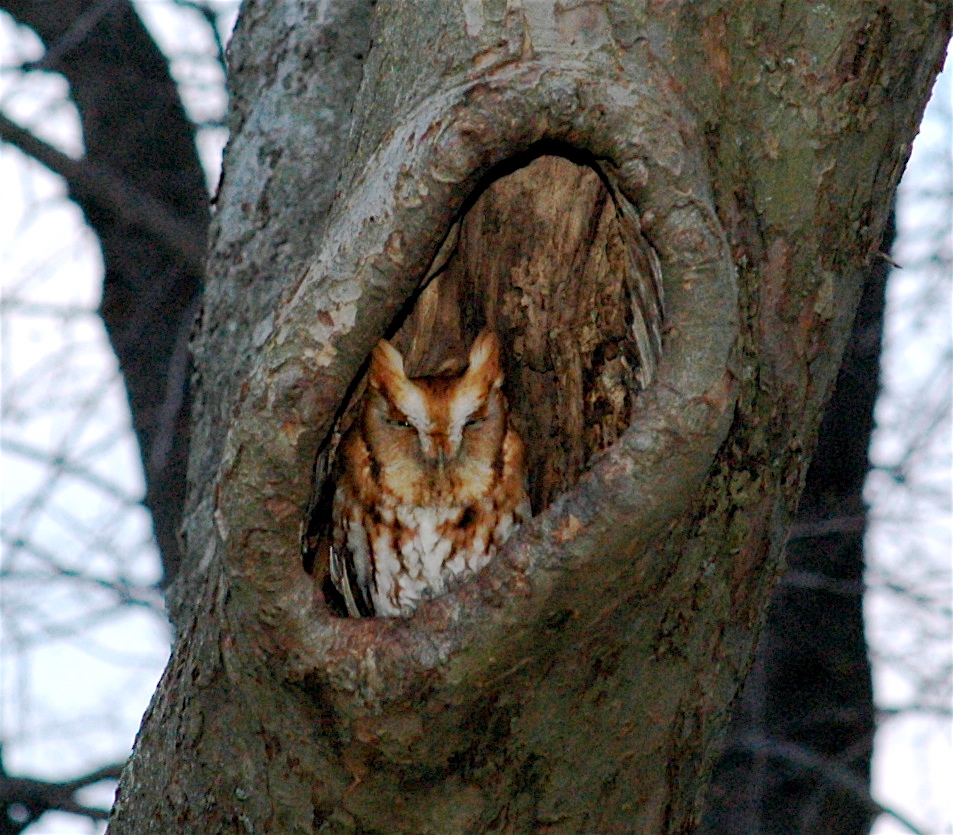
[142, 190]
[581, 682]
[797, 752]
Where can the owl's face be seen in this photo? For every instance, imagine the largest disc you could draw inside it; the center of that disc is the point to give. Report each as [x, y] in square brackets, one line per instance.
[432, 482]
[436, 438]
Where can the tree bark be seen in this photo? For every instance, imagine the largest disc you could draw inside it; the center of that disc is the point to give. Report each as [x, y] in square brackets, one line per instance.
[797, 752]
[581, 682]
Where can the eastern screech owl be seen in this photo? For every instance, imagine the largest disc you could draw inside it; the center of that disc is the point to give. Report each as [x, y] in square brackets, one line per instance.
[432, 482]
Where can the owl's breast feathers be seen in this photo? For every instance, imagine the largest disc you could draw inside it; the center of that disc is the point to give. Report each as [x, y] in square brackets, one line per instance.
[397, 547]
[431, 484]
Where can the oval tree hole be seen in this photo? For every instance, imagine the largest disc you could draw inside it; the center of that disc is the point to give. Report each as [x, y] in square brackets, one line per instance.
[553, 259]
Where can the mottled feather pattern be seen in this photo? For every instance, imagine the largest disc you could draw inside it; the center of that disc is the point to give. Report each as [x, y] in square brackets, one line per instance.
[431, 484]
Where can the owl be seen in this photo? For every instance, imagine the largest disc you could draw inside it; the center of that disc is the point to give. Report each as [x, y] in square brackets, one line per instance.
[431, 482]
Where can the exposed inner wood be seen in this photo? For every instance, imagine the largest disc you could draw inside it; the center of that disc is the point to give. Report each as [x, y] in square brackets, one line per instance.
[558, 268]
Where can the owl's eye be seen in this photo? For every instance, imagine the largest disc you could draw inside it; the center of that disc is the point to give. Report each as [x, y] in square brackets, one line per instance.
[474, 421]
[400, 422]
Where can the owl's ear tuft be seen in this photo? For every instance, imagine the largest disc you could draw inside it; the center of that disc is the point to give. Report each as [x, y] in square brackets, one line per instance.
[484, 369]
[387, 366]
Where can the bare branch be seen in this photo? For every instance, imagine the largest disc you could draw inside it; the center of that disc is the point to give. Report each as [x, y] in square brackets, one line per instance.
[130, 205]
[24, 799]
[823, 527]
[60, 462]
[825, 768]
[77, 33]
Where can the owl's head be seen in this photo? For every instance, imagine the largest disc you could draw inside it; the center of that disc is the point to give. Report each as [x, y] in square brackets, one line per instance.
[441, 427]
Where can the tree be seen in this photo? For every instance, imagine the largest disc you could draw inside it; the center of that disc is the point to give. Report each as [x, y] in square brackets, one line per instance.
[582, 681]
[797, 752]
[686, 556]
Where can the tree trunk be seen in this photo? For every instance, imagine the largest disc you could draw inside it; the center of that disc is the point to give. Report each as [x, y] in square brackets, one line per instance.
[725, 179]
[797, 752]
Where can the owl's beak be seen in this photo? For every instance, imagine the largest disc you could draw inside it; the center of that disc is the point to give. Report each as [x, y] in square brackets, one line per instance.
[443, 451]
